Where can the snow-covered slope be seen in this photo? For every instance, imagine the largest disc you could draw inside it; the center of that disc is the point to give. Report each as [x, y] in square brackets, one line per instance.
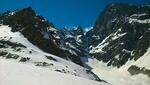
[117, 48]
[122, 76]
[117, 76]
[15, 47]
[144, 60]
[13, 73]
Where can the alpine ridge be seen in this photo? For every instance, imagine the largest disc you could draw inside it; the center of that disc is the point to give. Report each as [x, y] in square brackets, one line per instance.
[121, 33]
[115, 51]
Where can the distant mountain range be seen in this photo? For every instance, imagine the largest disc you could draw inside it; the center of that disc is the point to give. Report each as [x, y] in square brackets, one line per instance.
[120, 38]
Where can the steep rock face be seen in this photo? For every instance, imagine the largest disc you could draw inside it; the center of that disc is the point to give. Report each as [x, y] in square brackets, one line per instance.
[72, 40]
[121, 33]
[38, 31]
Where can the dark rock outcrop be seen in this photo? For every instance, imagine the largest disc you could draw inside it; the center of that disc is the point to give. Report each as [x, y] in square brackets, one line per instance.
[134, 70]
[124, 33]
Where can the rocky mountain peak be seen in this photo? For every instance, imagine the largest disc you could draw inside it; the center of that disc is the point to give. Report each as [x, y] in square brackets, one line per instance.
[40, 32]
[79, 30]
[116, 33]
[119, 38]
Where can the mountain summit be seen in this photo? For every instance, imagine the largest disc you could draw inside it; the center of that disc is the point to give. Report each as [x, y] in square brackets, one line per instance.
[119, 42]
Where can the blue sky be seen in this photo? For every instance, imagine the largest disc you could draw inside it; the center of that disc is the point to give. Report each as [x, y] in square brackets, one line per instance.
[67, 13]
